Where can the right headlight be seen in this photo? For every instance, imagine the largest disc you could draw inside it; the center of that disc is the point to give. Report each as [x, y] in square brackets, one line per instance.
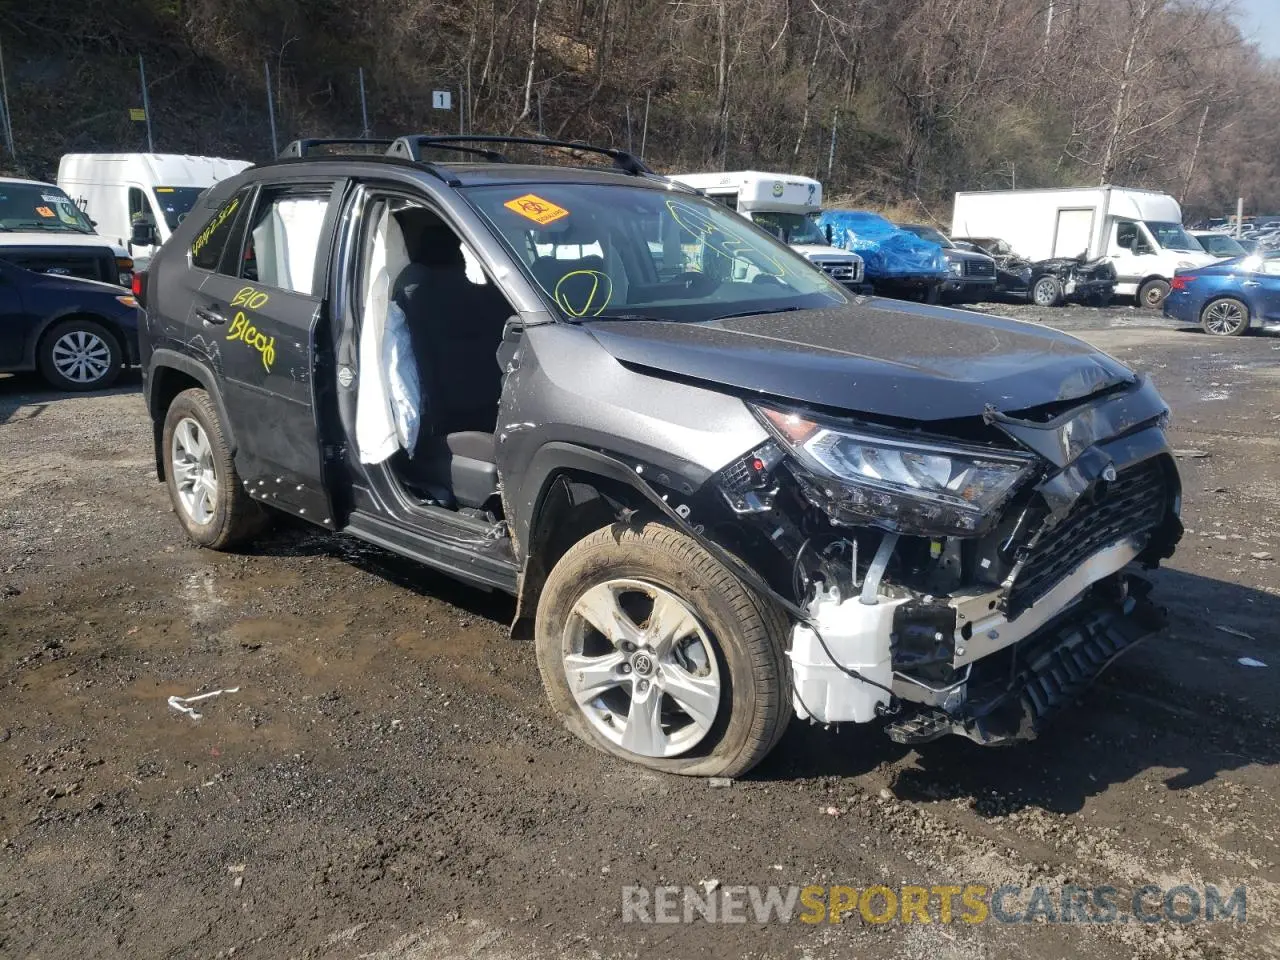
[898, 483]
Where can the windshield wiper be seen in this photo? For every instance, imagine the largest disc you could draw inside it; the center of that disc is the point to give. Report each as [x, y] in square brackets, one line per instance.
[757, 313]
[43, 225]
[652, 319]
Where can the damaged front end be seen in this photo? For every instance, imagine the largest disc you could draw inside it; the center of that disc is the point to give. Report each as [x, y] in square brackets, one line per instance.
[1083, 281]
[968, 581]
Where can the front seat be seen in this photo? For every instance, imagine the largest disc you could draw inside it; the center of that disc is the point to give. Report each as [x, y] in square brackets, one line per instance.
[456, 326]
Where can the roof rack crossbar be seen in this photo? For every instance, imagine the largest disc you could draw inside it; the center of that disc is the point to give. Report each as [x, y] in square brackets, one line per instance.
[304, 148]
[411, 148]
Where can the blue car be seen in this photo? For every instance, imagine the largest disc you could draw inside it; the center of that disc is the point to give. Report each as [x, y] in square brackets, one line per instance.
[77, 333]
[1228, 298]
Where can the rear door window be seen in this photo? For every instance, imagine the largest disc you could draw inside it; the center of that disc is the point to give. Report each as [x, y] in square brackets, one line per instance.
[284, 238]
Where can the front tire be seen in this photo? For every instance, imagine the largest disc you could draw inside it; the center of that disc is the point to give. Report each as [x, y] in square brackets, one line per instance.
[1227, 317]
[1152, 293]
[652, 650]
[1047, 292]
[206, 491]
[80, 355]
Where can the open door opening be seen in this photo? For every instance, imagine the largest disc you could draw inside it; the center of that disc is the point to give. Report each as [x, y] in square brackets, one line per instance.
[429, 380]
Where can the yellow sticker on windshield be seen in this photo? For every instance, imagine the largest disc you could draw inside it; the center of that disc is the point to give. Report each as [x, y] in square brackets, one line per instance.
[44, 211]
[536, 209]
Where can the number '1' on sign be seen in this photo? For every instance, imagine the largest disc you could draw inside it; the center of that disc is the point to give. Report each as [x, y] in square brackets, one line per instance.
[442, 99]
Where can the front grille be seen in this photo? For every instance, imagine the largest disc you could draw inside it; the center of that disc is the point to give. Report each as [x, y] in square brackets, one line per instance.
[86, 266]
[1135, 503]
[979, 268]
[736, 477]
[846, 271]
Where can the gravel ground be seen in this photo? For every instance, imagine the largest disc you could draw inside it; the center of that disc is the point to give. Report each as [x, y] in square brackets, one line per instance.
[388, 782]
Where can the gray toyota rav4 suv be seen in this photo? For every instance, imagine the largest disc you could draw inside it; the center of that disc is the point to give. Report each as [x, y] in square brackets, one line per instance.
[723, 488]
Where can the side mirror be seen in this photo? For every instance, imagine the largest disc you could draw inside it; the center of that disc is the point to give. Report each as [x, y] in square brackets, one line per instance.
[143, 235]
[831, 234]
[512, 332]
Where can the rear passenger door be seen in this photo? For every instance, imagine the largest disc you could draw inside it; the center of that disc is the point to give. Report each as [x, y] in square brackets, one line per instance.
[264, 307]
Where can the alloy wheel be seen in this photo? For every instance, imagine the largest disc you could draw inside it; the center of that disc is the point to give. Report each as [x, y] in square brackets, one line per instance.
[1224, 318]
[81, 356]
[1046, 292]
[641, 667]
[194, 476]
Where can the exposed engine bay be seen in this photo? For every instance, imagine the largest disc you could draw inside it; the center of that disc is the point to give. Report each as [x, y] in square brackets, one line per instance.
[965, 582]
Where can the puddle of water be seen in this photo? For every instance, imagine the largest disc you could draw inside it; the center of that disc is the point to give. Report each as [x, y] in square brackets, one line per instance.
[200, 595]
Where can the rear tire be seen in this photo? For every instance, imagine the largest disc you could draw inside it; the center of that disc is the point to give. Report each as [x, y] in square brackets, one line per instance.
[722, 669]
[1225, 317]
[80, 355]
[206, 491]
[1152, 293]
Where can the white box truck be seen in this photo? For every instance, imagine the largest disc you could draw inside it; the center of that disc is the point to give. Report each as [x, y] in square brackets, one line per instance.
[785, 206]
[138, 199]
[1139, 231]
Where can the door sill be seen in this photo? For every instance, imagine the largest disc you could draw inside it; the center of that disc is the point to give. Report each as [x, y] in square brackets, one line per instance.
[460, 546]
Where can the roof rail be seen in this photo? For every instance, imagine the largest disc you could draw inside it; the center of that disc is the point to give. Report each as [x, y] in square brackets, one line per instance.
[411, 147]
[309, 147]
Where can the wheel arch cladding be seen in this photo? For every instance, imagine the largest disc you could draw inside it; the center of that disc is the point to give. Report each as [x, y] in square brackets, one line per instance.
[171, 374]
[579, 491]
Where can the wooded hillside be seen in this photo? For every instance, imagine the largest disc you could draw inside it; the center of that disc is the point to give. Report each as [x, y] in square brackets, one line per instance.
[925, 96]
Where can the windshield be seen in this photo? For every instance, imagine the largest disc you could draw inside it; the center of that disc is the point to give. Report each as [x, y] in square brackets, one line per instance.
[928, 233]
[40, 206]
[1220, 245]
[1171, 236]
[627, 252]
[176, 202]
[790, 227]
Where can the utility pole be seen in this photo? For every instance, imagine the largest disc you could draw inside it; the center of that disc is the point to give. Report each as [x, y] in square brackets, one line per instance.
[831, 153]
[1239, 217]
[364, 106]
[271, 110]
[644, 130]
[146, 103]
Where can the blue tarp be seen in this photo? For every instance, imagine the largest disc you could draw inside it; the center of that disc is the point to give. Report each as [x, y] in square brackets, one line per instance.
[886, 250]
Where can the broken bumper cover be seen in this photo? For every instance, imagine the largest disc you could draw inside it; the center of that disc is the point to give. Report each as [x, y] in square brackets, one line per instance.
[871, 639]
[1010, 698]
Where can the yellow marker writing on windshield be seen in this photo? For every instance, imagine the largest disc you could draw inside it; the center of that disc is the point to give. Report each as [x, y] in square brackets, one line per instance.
[596, 286]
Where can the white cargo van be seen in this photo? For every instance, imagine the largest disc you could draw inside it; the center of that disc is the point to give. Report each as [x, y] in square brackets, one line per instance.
[1140, 231]
[138, 199]
[785, 206]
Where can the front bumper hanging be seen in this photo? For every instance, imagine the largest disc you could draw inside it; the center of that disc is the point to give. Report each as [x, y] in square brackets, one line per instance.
[1010, 697]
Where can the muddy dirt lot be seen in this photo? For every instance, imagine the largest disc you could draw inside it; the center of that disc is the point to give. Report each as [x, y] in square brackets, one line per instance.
[388, 782]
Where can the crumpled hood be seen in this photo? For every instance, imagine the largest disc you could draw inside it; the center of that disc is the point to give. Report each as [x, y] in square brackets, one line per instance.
[880, 357]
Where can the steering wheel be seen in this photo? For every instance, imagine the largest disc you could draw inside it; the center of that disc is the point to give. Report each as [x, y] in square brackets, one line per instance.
[699, 284]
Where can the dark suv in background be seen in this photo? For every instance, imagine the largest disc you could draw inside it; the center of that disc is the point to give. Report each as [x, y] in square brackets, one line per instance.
[722, 488]
[971, 274]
